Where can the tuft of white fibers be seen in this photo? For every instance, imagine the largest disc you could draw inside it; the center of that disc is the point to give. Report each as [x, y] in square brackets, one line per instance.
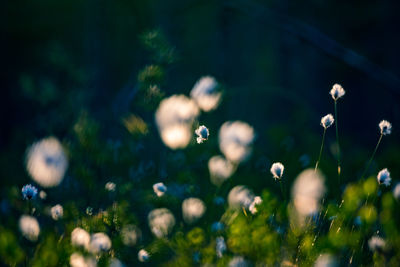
[384, 177]
[174, 118]
[240, 197]
[337, 91]
[29, 227]
[29, 192]
[143, 255]
[42, 194]
[307, 191]
[235, 139]
[130, 234]
[326, 260]
[114, 262]
[77, 260]
[46, 162]
[396, 191]
[205, 93]
[220, 169]
[385, 127]
[80, 238]
[202, 134]
[327, 121]
[160, 189]
[238, 261]
[256, 201]
[277, 170]
[99, 242]
[220, 246]
[110, 186]
[161, 221]
[376, 243]
[193, 209]
[57, 212]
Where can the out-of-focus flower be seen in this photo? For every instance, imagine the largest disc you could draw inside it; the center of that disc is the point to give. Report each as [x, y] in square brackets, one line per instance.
[385, 127]
[77, 260]
[89, 211]
[143, 255]
[99, 242]
[47, 162]
[159, 189]
[29, 227]
[115, 263]
[29, 192]
[219, 200]
[376, 243]
[277, 170]
[396, 191]
[80, 238]
[327, 121]
[337, 91]
[205, 93]
[193, 209]
[217, 226]
[307, 191]
[384, 177]
[256, 201]
[220, 246]
[235, 139]
[130, 235]
[326, 260]
[110, 186]
[161, 221]
[240, 197]
[220, 169]
[57, 212]
[174, 118]
[202, 134]
[238, 261]
[42, 194]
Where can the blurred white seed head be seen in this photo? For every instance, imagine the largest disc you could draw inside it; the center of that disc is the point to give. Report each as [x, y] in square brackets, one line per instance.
[161, 221]
[385, 127]
[130, 234]
[384, 177]
[77, 260]
[220, 169]
[337, 91]
[277, 170]
[46, 162]
[114, 262]
[327, 121]
[396, 191]
[29, 227]
[143, 255]
[376, 243]
[238, 261]
[160, 189]
[110, 186]
[42, 194]
[205, 93]
[57, 212]
[253, 206]
[240, 197]
[220, 246]
[193, 209]
[326, 260]
[99, 242]
[80, 238]
[235, 139]
[202, 134]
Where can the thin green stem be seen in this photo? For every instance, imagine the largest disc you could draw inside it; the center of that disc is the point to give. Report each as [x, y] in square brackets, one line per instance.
[337, 141]
[372, 157]
[283, 194]
[320, 150]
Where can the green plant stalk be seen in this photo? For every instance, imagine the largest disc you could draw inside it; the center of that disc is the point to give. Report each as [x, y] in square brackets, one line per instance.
[372, 157]
[320, 150]
[337, 141]
[281, 185]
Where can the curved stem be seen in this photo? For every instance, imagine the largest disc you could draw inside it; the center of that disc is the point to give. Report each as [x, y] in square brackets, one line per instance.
[337, 141]
[320, 150]
[372, 157]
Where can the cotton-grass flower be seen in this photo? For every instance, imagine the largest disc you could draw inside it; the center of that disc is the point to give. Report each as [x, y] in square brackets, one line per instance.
[220, 169]
[327, 121]
[57, 212]
[277, 170]
[29, 227]
[396, 191]
[130, 234]
[376, 243]
[99, 242]
[80, 238]
[240, 197]
[253, 206]
[42, 194]
[46, 162]
[110, 186]
[205, 93]
[29, 192]
[337, 91]
[384, 177]
[77, 260]
[161, 221]
[202, 134]
[143, 255]
[385, 127]
[114, 262]
[326, 260]
[160, 189]
[238, 261]
[220, 246]
[193, 209]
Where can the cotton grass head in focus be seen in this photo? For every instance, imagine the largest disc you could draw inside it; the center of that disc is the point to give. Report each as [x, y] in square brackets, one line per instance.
[327, 121]
[159, 189]
[337, 91]
[57, 212]
[276, 170]
[383, 177]
[143, 255]
[202, 134]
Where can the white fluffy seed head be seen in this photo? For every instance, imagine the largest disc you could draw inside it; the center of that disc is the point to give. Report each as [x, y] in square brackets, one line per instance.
[99, 242]
[337, 91]
[143, 255]
[220, 169]
[29, 227]
[256, 201]
[384, 177]
[376, 243]
[80, 238]
[385, 127]
[160, 189]
[57, 212]
[327, 121]
[206, 94]
[277, 170]
[161, 221]
[193, 209]
[202, 134]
